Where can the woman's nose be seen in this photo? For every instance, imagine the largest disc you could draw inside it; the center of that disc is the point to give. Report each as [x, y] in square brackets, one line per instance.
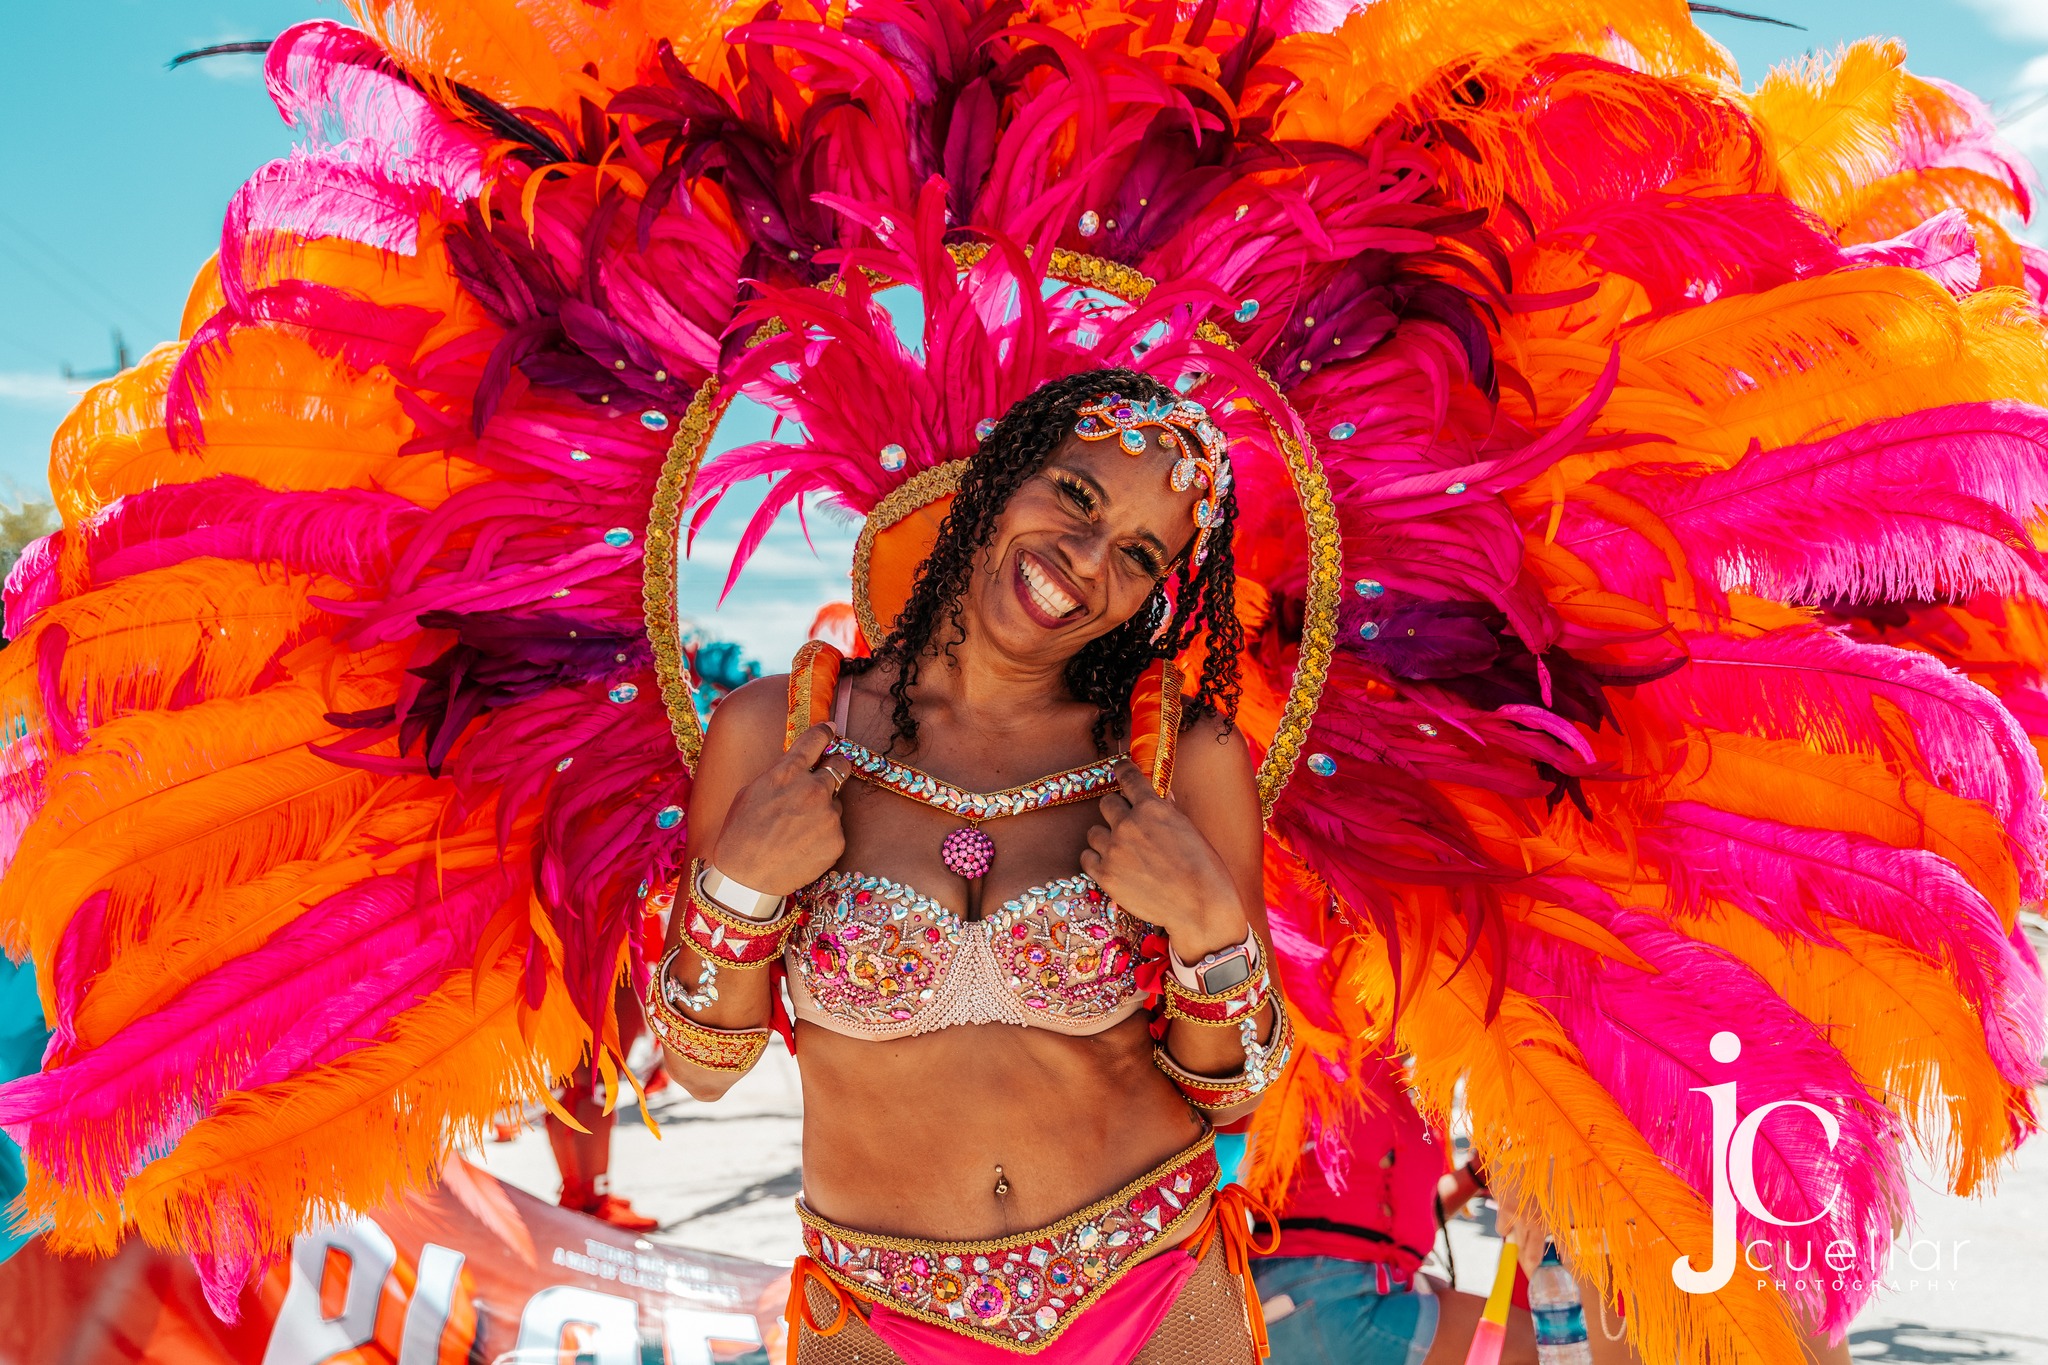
[1087, 551]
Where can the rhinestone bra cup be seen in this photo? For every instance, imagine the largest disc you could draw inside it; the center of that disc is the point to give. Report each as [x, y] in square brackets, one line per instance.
[875, 959]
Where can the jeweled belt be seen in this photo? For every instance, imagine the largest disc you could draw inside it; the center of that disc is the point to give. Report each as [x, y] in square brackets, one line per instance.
[1019, 1292]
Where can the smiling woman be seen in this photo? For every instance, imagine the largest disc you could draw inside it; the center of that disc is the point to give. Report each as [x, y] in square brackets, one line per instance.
[1064, 574]
[981, 822]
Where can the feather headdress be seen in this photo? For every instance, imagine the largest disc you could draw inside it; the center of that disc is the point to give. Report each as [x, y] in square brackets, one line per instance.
[1683, 454]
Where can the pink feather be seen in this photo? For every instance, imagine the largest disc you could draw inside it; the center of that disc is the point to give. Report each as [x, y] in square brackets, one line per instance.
[347, 98]
[1790, 879]
[1944, 246]
[1645, 1037]
[1925, 506]
[1824, 688]
[329, 979]
[348, 533]
[33, 584]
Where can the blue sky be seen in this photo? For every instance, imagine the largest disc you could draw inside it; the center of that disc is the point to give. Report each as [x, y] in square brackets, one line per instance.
[116, 170]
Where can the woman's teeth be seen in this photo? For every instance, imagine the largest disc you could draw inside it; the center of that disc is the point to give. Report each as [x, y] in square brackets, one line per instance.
[1047, 594]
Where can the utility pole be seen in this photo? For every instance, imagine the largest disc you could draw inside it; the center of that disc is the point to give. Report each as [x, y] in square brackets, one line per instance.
[121, 362]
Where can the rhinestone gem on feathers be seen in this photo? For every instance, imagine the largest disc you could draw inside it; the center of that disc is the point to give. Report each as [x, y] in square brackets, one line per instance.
[967, 852]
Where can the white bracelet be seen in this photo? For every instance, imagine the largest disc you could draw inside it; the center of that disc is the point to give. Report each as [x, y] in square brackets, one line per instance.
[1191, 978]
[738, 898]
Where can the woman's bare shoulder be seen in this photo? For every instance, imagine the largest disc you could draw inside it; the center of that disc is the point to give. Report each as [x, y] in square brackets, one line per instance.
[1212, 755]
[749, 721]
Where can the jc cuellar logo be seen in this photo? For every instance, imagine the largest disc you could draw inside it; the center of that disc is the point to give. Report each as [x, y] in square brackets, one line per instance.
[1734, 1159]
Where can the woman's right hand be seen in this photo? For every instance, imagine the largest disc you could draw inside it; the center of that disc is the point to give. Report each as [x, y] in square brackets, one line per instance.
[782, 830]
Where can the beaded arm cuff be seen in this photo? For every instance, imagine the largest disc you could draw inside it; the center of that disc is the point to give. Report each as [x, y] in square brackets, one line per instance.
[714, 1049]
[728, 939]
[1262, 1066]
[1225, 1009]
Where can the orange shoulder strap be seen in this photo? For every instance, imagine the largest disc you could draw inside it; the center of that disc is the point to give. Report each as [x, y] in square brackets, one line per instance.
[813, 678]
[1155, 722]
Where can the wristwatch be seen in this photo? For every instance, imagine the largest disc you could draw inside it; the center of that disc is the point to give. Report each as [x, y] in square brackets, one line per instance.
[737, 897]
[1219, 971]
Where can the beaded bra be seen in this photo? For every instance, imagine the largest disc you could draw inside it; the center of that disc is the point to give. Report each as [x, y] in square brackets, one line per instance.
[876, 959]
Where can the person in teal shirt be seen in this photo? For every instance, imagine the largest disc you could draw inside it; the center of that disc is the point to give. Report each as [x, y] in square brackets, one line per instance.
[22, 1040]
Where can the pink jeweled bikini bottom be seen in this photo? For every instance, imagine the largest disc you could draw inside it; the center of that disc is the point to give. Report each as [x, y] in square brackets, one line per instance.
[1021, 1293]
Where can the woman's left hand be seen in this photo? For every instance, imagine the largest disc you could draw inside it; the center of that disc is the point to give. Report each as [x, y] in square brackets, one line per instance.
[1150, 859]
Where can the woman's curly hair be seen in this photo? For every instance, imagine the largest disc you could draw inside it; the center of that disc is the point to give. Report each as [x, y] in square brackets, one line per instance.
[1108, 667]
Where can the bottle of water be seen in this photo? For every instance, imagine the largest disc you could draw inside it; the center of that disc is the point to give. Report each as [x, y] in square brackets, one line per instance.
[1560, 1321]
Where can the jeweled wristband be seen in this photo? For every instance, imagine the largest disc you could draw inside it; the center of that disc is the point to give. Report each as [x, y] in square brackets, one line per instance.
[1213, 1093]
[714, 1049]
[1225, 1009]
[729, 939]
[706, 993]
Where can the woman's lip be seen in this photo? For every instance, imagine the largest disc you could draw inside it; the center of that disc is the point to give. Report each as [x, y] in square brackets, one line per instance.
[1030, 603]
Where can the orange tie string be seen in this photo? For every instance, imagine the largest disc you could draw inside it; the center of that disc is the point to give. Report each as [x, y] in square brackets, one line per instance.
[1231, 1214]
[798, 1307]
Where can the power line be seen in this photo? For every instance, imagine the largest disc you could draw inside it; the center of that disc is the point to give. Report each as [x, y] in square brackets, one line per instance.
[40, 354]
[52, 255]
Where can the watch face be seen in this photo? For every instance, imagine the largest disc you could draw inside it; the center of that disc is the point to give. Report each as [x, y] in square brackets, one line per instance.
[1229, 972]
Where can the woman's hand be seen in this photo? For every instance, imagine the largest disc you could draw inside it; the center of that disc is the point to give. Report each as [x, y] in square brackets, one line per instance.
[1149, 858]
[783, 830]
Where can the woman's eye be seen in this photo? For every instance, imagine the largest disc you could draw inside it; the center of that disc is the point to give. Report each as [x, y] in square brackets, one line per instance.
[1146, 562]
[1077, 495]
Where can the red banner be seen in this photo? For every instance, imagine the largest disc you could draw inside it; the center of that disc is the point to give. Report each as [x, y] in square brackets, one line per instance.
[475, 1273]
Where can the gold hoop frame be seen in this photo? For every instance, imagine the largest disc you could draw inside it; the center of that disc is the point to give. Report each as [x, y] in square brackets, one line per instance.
[927, 485]
[693, 438]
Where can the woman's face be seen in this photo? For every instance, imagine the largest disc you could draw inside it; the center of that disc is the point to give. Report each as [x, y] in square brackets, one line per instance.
[1079, 548]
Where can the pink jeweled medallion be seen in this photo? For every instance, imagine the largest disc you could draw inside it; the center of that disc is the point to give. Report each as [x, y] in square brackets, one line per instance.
[968, 852]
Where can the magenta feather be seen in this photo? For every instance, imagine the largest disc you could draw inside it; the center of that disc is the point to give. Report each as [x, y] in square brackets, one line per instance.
[1790, 879]
[1925, 506]
[1645, 1038]
[1824, 688]
[347, 533]
[1686, 251]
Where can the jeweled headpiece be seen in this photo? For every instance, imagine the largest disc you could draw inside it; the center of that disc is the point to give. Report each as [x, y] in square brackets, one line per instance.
[1202, 463]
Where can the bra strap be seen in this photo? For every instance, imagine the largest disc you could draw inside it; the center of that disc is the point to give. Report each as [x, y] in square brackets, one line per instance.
[1155, 722]
[813, 677]
[842, 704]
